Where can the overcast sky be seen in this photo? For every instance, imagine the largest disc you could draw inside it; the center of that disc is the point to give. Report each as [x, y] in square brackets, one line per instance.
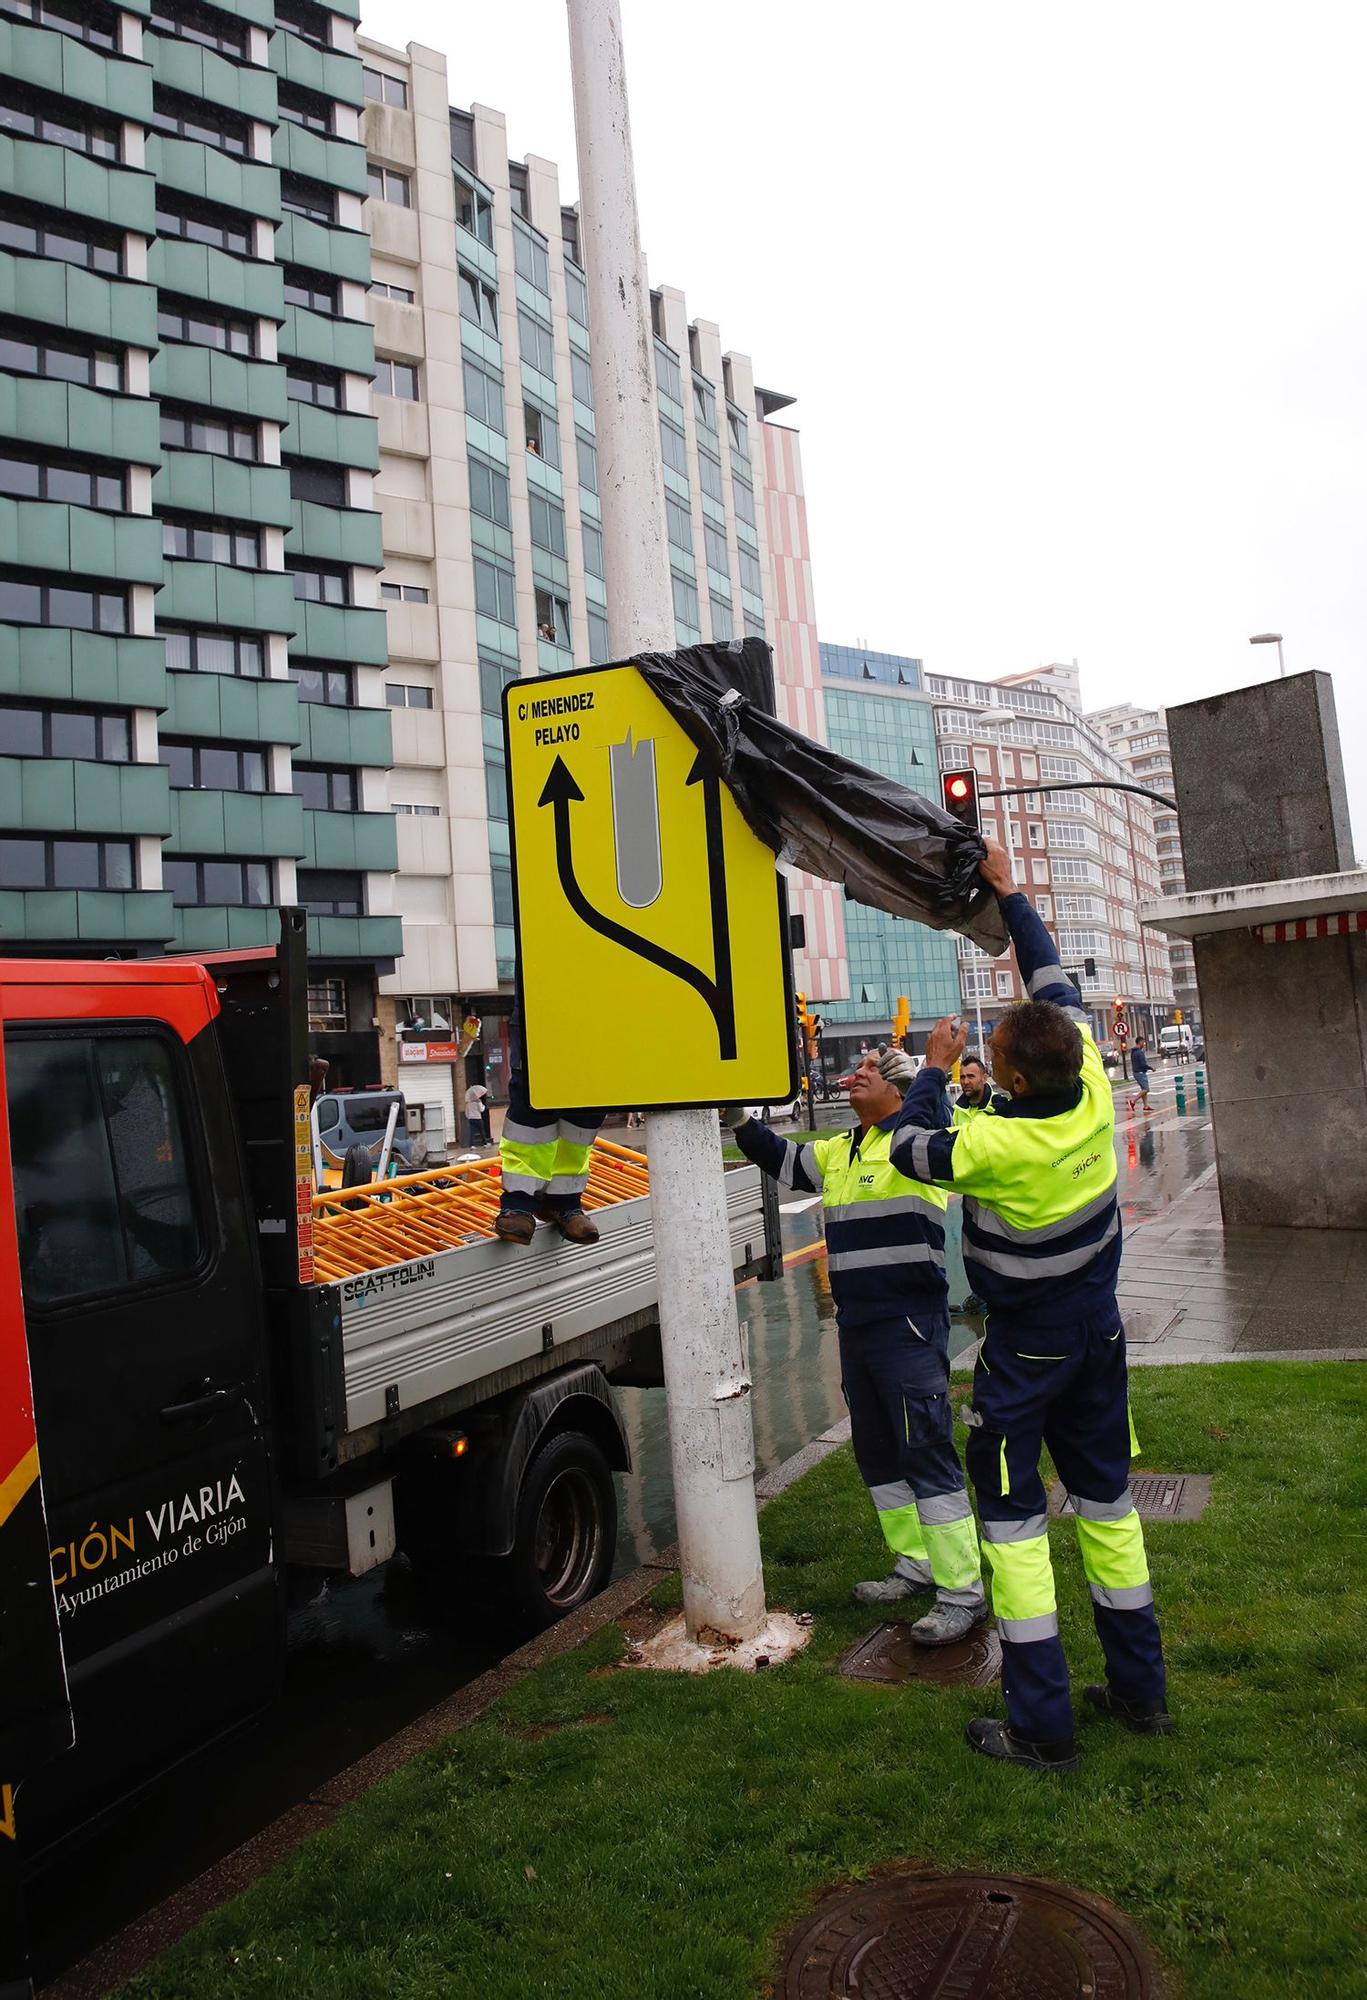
[1072, 297]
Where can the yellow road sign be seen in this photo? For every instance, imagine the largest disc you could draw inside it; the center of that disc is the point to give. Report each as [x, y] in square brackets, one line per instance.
[652, 930]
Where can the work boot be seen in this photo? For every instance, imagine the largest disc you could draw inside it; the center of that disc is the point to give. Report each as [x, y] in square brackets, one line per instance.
[991, 1738]
[908, 1577]
[1145, 1718]
[943, 1624]
[514, 1225]
[572, 1223]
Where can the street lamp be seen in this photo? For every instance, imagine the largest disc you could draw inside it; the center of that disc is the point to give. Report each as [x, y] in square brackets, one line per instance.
[1271, 639]
[1004, 717]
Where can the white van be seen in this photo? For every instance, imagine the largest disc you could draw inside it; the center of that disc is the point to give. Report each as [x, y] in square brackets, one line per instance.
[1175, 1041]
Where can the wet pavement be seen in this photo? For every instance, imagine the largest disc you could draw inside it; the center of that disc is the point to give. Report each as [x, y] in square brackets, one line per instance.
[367, 1657]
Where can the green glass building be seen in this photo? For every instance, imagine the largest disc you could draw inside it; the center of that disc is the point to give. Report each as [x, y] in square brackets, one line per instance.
[192, 718]
[878, 714]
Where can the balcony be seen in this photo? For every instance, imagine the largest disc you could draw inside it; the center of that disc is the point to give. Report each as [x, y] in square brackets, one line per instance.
[335, 534]
[49, 535]
[328, 72]
[336, 343]
[236, 284]
[71, 795]
[367, 939]
[339, 632]
[85, 916]
[199, 72]
[55, 177]
[71, 418]
[352, 736]
[338, 163]
[344, 253]
[70, 68]
[52, 663]
[247, 600]
[250, 825]
[336, 437]
[52, 293]
[228, 709]
[220, 382]
[190, 167]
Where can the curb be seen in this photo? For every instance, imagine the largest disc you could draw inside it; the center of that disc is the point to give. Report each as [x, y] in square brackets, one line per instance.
[131, 1950]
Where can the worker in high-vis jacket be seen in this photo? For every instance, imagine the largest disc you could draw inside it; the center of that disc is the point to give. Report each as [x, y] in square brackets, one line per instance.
[1042, 1246]
[977, 1092]
[543, 1161]
[885, 1255]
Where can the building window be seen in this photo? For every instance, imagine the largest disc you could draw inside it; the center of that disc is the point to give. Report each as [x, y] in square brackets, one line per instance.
[709, 474]
[600, 646]
[192, 541]
[404, 593]
[327, 1007]
[1036, 834]
[65, 864]
[478, 302]
[201, 326]
[324, 485]
[743, 498]
[717, 555]
[30, 115]
[489, 492]
[581, 379]
[316, 203]
[754, 627]
[302, 18]
[396, 378]
[192, 222]
[301, 107]
[678, 524]
[321, 583]
[95, 367]
[673, 448]
[324, 790]
[183, 431]
[536, 341]
[308, 289]
[197, 24]
[85, 23]
[81, 608]
[495, 787]
[384, 184]
[723, 618]
[30, 478]
[667, 374]
[196, 652]
[685, 600]
[530, 259]
[751, 576]
[463, 139]
[592, 538]
[1003, 985]
[495, 591]
[382, 89]
[547, 523]
[484, 396]
[576, 296]
[330, 687]
[738, 431]
[552, 618]
[212, 767]
[403, 694]
[494, 675]
[542, 433]
[416, 812]
[320, 386]
[586, 452]
[71, 240]
[191, 118]
[475, 211]
[399, 294]
[331, 892]
[89, 735]
[704, 403]
[198, 885]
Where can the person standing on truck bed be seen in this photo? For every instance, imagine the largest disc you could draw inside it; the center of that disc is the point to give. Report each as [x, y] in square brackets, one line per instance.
[885, 1252]
[544, 1158]
[1042, 1246]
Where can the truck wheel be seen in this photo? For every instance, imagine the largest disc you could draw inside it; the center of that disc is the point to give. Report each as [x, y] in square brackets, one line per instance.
[358, 1169]
[566, 1531]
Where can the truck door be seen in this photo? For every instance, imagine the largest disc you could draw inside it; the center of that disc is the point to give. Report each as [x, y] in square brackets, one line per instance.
[143, 1307]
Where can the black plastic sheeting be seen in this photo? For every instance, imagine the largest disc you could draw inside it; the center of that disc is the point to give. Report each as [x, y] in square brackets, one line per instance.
[887, 845]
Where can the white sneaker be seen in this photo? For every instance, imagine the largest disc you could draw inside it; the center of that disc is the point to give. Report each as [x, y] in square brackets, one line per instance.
[943, 1624]
[905, 1581]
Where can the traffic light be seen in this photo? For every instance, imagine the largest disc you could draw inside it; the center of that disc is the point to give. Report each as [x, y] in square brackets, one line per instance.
[1178, 1016]
[960, 792]
[807, 1024]
[901, 1020]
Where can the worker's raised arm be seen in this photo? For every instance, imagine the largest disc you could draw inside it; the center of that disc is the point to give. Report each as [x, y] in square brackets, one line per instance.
[1041, 972]
[921, 1147]
[792, 1166]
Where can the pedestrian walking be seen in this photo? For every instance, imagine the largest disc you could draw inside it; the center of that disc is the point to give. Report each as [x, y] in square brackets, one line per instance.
[885, 1255]
[1139, 1063]
[1042, 1246]
[476, 1115]
[544, 1161]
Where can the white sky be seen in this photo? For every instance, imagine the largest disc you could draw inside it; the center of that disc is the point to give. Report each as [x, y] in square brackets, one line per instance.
[1072, 297]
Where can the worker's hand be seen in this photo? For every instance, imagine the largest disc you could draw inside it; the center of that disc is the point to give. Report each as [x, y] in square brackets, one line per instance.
[945, 1043]
[897, 1067]
[733, 1116]
[995, 869]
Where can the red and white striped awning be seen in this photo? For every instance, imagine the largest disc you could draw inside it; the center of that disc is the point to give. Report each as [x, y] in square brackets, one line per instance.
[1295, 930]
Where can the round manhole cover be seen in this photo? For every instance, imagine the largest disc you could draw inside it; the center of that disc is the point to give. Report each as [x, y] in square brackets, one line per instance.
[967, 1937]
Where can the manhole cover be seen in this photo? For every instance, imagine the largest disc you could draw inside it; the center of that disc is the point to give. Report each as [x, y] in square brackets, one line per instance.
[967, 1937]
[889, 1654]
[1158, 1496]
[1144, 1324]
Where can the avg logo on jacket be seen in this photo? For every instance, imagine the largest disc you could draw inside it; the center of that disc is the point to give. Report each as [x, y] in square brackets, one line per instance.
[866, 1180]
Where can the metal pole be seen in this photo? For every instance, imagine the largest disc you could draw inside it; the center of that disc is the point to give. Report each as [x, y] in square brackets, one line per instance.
[711, 1432]
[1281, 664]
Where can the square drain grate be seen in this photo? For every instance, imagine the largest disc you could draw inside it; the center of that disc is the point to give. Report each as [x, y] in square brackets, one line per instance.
[1158, 1496]
[890, 1655]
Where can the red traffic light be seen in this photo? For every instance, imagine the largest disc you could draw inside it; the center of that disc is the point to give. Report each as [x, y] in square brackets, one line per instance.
[959, 790]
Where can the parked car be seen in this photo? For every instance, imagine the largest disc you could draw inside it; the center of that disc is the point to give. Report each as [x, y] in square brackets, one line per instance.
[791, 1107]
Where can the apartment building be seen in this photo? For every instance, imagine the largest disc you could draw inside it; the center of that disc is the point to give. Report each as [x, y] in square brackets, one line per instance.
[487, 486]
[1139, 738]
[1088, 859]
[879, 713]
[194, 724]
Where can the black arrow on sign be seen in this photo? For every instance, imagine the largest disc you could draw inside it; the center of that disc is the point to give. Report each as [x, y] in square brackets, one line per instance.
[561, 792]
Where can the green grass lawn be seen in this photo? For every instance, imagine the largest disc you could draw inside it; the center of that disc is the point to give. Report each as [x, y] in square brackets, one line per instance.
[657, 1843]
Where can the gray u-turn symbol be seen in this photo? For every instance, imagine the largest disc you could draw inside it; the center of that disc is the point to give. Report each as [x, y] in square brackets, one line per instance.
[636, 821]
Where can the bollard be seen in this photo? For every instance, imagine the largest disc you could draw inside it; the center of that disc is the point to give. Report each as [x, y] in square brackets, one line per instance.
[1180, 1085]
[1200, 1087]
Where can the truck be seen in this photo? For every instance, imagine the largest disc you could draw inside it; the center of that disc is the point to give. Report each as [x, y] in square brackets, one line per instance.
[211, 1416]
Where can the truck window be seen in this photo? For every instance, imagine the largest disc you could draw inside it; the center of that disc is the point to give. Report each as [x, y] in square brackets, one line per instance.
[103, 1195]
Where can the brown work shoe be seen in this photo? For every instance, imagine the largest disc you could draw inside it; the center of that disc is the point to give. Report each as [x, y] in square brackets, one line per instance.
[514, 1225]
[574, 1224]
